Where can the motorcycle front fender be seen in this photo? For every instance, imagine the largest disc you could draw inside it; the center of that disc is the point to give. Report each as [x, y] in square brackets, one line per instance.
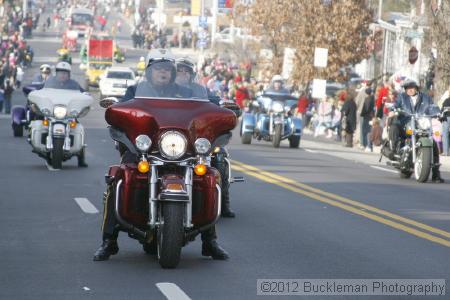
[248, 123]
[425, 142]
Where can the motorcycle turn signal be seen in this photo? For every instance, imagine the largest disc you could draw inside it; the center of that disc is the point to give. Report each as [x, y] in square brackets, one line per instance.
[143, 166]
[200, 169]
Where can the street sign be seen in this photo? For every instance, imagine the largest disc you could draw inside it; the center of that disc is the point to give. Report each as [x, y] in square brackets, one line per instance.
[203, 21]
[319, 88]
[288, 62]
[320, 57]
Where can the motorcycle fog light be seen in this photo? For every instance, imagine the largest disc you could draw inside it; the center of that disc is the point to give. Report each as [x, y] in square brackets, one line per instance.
[200, 169]
[202, 146]
[437, 133]
[73, 124]
[60, 112]
[143, 143]
[172, 145]
[143, 166]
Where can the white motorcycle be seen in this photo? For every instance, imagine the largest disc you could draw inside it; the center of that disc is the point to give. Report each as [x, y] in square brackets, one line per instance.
[57, 135]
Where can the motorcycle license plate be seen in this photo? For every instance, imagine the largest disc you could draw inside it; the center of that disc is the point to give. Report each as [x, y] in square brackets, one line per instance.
[59, 129]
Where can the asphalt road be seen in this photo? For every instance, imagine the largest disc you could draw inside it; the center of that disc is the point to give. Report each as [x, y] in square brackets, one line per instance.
[302, 213]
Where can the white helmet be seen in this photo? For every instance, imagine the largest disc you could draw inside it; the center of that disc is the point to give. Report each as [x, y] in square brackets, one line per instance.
[63, 66]
[45, 68]
[142, 58]
[277, 78]
[160, 55]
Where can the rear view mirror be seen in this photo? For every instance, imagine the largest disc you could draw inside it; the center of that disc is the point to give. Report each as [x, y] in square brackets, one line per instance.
[108, 101]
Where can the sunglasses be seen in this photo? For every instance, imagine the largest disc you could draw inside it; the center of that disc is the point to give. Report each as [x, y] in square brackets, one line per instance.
[184, 70]
[165, 68]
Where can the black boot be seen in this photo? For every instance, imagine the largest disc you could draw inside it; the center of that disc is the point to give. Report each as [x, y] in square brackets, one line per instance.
[226, 210]
[436, 176]
[108, 248]
[212, 248]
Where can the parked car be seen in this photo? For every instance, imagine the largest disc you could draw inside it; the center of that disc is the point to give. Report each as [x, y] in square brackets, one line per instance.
[115, 81]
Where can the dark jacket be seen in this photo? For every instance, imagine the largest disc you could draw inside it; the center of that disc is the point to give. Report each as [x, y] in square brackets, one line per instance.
[349, 110]
[368, 107]
[404, 103]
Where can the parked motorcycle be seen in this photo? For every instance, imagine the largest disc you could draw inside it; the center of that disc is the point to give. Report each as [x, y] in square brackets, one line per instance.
[57, 134]
[21, 115]
[273, 121]
[415, 154]
[171, 193]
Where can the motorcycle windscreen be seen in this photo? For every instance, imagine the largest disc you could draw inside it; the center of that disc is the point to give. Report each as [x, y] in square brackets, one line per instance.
[47, 98]
[194, 118]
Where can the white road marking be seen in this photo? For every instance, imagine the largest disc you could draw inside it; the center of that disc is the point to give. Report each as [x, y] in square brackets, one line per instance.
[50, 168]
[86, 205]
[172, 291]
[311, 151]
[86, 288]
[384, 169]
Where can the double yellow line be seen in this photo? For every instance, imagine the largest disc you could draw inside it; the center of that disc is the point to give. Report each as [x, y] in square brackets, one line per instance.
[398, 222]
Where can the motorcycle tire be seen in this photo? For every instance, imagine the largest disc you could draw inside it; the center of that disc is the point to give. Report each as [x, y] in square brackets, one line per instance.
[277, 136]
[170, 235]
[17, 130]
[246, 138]
[294, 141]
[422, 167]
[57, 153]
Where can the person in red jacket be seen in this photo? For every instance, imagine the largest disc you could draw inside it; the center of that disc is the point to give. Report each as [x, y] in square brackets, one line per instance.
[242, 95]
[302, 105]
[383, 92]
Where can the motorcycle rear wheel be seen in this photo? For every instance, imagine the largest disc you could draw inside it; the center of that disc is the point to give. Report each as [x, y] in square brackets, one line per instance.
[170, 235]
[57, 153]
[422, 167]
[17, 130]
[246, 138]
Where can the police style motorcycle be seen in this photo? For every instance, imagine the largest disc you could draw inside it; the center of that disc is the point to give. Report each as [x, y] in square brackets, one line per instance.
[274, 120]
[56, 135]
[415, 153]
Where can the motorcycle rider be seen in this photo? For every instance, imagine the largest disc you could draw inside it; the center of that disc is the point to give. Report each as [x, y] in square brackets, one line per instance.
[185, 76]
[412, 101]
[277, 85]
[45, 73]
[62, 79]
[160, 81]
[141, 66]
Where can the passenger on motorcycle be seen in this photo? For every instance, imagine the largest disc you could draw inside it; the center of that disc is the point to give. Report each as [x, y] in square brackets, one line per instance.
[412, 101]
[159, 82]
[45, 73]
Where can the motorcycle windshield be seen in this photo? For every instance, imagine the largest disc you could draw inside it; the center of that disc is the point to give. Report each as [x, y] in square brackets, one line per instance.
[193, 118]
[284, 99]
[48, 98]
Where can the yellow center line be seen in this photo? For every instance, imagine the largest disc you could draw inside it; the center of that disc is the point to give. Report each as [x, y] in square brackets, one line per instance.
[314, 194]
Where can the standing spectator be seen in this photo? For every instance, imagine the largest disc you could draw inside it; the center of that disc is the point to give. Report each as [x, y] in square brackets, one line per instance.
[8, 88]
[348, 121]
[375, 135]
[382, 93]
[302, 106]
[445, 126]
[366, 117]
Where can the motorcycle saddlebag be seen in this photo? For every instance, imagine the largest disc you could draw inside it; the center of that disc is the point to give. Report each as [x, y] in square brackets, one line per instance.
[205, 198]
[134, 194]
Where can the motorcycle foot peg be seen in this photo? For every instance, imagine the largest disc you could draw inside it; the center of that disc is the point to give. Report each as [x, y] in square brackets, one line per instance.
[237, 179]
[109, 179]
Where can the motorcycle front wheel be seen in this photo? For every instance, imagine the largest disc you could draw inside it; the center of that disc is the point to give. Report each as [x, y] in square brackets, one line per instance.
[170, 235]
[57, 153]
[422, 167]
[277, 136]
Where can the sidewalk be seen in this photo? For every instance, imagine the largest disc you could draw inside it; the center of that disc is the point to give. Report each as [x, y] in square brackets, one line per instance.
[331, 147]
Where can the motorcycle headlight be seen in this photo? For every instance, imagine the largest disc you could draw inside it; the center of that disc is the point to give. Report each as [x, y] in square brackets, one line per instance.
[60, 112]
[202, 146]
[277, 107]
[424, 123]
[143, 143]
[172, 145]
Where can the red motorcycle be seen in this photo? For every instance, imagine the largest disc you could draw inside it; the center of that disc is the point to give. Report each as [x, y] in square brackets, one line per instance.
[171, 193]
